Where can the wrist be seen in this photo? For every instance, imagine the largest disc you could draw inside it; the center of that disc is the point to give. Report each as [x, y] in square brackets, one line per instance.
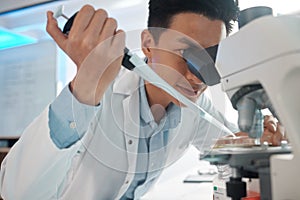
[83, 93]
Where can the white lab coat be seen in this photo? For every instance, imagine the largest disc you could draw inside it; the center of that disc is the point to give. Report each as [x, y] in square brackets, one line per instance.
[101, 164]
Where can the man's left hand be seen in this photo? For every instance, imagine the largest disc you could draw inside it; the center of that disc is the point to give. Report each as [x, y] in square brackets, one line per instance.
[273, 131]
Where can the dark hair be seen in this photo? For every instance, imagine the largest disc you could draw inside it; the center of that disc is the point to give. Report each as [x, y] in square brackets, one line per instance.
[161, 12]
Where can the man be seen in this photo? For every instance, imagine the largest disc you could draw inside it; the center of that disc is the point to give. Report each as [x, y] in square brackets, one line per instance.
[109, 134]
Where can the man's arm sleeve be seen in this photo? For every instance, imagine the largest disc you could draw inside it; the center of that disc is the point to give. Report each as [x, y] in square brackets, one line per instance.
[69, 119]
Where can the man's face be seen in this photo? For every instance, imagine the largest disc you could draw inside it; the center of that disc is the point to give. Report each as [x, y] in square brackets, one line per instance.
[186, 30]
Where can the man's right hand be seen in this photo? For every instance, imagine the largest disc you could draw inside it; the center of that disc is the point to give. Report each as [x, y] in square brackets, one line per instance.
[95, 46]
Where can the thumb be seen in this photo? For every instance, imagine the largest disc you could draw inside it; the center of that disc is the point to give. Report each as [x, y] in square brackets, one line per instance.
[54, 31]
[270, 123]
[278, 135]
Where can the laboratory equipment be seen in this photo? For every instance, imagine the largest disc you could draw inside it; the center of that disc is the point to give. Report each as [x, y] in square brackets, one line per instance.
[259, 68]
[59, 12]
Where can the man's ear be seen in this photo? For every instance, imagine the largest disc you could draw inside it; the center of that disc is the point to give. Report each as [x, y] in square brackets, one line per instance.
[147, 42]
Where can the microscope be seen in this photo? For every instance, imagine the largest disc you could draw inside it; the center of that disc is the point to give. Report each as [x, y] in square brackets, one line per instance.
[259, 67]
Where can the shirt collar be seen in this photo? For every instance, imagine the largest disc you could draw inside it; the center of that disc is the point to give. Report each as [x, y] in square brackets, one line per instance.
[173, 114]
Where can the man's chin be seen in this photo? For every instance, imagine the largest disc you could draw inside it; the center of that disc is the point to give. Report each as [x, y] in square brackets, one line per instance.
[180, 104]
[193, 98]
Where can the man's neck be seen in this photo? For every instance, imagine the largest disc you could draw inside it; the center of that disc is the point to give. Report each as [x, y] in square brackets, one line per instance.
[158, 112]
[155, 96]
[157, 102]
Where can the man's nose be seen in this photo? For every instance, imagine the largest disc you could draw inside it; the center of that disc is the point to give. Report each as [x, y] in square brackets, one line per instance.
[190, 76]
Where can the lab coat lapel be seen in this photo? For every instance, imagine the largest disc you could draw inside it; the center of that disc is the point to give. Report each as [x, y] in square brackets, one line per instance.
[131, 128]
[128, 85]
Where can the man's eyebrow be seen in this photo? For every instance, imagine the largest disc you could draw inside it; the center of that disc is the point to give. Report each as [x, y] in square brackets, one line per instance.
[189, 42]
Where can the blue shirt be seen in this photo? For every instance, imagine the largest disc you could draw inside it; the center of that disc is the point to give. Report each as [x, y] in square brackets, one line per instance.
[153, 136]
[64, 129]
[153, 139]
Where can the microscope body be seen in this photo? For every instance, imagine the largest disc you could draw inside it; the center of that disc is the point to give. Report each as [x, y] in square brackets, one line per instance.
[259, 68]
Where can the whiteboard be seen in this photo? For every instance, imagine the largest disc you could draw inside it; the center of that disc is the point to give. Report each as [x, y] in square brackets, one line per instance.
[27, 85]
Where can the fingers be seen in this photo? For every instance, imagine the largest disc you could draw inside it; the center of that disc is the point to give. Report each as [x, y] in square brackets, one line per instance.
[239, 134]
[54, 31]
[270, 123]
[111, 39]
[97, 22]
[118, 42]
[93, 26]
[274, 138]
[90, 28]
[278, 135]
[109, 29]
[267, 137]
[82, 20]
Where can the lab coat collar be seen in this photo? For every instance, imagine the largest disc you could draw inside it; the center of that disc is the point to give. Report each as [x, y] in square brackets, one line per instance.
[126, 83]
